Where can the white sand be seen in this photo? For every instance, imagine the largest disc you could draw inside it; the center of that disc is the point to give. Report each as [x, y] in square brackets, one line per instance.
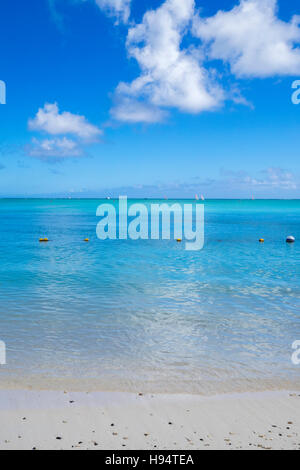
[31, 419]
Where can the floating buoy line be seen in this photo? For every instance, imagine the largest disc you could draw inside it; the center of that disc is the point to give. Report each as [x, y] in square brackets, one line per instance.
[289, 239]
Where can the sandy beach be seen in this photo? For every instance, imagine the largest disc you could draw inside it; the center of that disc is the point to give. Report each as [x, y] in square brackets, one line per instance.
[122, 421]
[150, 226]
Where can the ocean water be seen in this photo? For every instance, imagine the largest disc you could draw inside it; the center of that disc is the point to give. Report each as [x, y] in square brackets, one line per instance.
[149, 315]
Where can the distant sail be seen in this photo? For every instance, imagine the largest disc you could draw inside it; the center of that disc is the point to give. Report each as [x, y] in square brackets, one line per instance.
[197, 197]
[202, 197]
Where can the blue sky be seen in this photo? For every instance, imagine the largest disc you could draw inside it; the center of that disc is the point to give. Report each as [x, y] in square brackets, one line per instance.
[150, 98]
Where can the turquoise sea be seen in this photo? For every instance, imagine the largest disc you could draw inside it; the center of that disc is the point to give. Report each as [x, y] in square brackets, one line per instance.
[149, 315]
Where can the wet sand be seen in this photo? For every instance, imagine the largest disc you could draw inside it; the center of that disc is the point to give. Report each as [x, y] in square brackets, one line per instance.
[123, 421]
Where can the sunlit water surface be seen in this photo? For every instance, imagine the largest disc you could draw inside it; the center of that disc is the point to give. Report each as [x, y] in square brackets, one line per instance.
[149, 315]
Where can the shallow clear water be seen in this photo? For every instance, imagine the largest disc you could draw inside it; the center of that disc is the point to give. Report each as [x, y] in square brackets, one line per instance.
[148, 315]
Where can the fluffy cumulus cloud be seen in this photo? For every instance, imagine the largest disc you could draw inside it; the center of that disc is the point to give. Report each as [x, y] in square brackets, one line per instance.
[176, 49]
[117, 8]
[49, 120]
[252, 39]
[171, 75]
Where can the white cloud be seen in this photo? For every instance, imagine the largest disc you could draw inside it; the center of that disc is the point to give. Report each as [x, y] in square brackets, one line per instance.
[54, 149]
[118, 8]
[49, 120]
[252, 39]
[170, 74]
